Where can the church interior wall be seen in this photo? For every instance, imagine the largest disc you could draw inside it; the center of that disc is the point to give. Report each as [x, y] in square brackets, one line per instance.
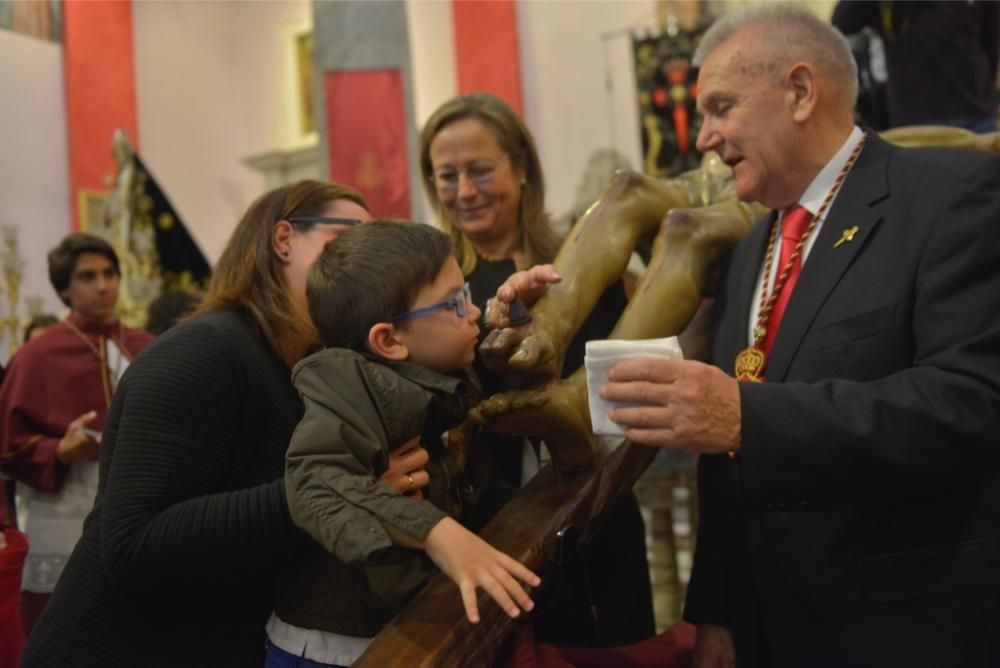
[34, 190]
[432, 65]
[579, 86]
[210, 87]
[578, 81]
[567, 49]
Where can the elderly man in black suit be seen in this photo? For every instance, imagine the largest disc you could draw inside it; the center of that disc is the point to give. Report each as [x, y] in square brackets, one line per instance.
[849, 424]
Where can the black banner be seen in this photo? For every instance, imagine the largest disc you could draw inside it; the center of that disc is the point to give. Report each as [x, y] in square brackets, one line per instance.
[667, 88]
[182, 264]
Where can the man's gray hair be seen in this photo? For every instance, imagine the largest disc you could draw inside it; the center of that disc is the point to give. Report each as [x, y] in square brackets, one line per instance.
[794, 34]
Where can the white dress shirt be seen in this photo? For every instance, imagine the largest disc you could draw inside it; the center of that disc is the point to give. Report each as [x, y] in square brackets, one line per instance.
[811, 200]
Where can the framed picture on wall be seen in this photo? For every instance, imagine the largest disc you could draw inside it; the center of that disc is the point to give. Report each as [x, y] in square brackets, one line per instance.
[38, 18]
[304, 70]
[299, 109]
[90, 204]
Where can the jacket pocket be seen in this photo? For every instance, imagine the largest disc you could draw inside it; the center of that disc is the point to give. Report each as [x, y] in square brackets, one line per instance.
[850, 329]
[971, 564]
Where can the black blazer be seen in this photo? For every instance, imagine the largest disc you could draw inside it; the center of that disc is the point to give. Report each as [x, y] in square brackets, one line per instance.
[860, 526]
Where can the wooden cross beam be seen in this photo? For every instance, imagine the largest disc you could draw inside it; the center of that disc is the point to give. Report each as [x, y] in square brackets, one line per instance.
[433, 631]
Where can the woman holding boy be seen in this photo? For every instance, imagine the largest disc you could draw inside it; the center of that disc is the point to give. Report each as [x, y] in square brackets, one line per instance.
[392, 308]
[178, 559]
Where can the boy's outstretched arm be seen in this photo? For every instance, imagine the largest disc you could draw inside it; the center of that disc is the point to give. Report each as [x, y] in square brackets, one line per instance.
[473, 563]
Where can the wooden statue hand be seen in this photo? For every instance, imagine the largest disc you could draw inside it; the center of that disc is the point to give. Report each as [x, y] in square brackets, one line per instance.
[501, 411]
[553, 413]
[524, 351]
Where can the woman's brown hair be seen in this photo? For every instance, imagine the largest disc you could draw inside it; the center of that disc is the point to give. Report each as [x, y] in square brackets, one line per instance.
[249, 276]
[536, 237]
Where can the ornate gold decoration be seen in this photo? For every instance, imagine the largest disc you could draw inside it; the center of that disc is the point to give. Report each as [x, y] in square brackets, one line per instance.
[750, 365]
[127, 222]
[846, 236]
[165, 221]
[12, 270]
[90, 207]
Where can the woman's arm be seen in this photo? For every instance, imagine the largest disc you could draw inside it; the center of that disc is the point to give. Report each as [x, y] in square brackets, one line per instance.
[169, 516]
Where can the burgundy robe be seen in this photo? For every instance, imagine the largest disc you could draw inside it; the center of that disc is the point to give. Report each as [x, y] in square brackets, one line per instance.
[50, 382]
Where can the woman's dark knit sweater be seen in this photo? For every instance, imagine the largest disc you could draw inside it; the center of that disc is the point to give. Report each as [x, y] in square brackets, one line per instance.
[177, 561]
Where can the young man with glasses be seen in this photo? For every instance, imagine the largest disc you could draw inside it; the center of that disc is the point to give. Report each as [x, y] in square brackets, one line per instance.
[393, 310]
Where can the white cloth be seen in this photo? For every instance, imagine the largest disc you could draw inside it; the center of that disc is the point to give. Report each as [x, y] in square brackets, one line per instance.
[117, 362]
[600, 356]
[54, 521]
[320, 646]
[532, 462]
[811, 201]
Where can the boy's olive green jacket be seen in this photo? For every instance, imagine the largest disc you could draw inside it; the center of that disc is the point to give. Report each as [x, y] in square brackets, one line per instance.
[357, 409]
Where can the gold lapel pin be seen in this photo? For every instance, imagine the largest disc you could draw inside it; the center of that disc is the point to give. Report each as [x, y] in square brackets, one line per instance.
[846, 236]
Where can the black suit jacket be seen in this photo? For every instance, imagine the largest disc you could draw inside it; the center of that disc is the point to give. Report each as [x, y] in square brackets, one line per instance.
[860, 525]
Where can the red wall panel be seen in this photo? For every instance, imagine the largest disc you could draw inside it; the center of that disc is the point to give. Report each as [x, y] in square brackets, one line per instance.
[366, 133]
[487, 55]
[100, 89]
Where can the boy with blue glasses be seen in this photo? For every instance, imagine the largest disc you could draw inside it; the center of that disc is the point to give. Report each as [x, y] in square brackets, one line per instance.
[392, 308]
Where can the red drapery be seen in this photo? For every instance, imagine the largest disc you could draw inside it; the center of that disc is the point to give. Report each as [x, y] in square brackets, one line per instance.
[487, 54]
[100, 89]
[366, 131]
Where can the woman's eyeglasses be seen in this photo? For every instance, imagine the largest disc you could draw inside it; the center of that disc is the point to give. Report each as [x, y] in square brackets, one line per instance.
[479, 172]
[459, 303]
[322, 220]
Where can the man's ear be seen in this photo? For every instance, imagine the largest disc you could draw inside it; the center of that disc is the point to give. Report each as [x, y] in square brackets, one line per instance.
[383, 340]
[281, 240]
[801, 81]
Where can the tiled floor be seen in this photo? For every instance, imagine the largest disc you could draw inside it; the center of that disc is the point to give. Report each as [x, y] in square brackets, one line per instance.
[665, 493]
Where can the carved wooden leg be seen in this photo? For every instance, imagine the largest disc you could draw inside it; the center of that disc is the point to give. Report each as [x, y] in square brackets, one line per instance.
[593, 257]
[690, 244]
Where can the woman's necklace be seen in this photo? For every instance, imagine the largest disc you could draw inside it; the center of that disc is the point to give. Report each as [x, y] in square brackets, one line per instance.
[750, 362]
[492, 257]
[498, 252]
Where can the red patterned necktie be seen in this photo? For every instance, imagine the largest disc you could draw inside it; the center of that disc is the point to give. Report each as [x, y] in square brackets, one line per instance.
[794, 226]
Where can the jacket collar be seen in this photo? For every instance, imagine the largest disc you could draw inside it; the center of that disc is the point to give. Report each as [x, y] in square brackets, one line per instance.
[426, 378]
[866, 184]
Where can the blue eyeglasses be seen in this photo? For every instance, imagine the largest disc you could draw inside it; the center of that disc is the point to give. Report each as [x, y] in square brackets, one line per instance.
[460, 303]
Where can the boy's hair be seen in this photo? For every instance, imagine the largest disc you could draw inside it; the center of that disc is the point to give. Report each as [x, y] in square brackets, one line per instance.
[369, 274]
[62, 259]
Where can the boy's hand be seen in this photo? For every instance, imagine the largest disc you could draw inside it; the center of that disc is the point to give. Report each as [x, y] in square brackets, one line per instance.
[473, 563]
[406, 472]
